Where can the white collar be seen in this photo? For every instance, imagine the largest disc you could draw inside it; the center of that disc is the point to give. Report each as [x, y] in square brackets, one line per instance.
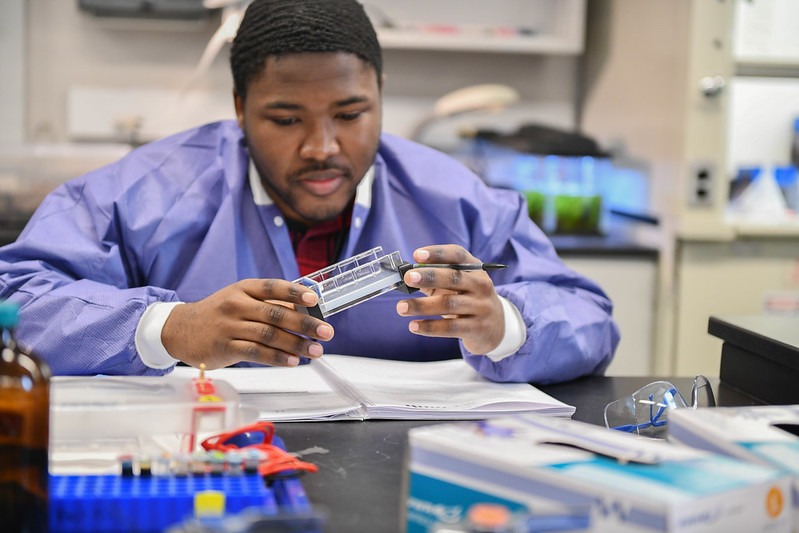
[363, 193]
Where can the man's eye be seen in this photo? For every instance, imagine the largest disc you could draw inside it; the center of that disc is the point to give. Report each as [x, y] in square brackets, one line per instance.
[284, 121]
[350, 116]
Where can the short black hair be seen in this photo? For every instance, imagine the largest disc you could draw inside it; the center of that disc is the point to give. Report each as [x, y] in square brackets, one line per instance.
[279, 27]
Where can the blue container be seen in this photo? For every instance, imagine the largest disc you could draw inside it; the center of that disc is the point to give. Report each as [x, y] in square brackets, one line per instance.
[787, 180]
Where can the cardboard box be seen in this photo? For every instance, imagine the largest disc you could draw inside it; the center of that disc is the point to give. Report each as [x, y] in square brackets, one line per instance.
[748, 433]
[624, 482]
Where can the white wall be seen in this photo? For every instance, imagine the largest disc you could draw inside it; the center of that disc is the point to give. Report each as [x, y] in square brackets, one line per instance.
[12, 33]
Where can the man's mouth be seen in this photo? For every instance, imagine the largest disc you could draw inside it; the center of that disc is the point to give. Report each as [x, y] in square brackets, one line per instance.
[322, 182]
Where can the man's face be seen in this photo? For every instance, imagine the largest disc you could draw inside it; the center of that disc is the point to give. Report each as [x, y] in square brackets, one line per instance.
[312, 123]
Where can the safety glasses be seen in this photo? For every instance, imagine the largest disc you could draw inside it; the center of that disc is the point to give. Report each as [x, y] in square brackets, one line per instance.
[645, 412]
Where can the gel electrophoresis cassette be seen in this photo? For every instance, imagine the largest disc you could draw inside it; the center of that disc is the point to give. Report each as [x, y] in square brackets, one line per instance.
[355, 280]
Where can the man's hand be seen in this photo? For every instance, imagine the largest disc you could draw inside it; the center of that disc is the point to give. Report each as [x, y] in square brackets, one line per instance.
[252, 320]
[469, 306]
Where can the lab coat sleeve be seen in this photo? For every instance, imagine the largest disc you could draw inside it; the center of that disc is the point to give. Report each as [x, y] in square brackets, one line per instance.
[570, 329]
[77, 287]
[569, 334]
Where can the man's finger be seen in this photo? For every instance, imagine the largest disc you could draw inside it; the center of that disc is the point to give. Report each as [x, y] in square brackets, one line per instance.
[279, 290]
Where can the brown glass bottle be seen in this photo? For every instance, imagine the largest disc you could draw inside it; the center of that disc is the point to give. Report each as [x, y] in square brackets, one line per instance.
[24, 432]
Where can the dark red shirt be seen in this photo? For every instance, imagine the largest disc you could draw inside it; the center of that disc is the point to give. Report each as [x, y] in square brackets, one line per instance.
[318, 246]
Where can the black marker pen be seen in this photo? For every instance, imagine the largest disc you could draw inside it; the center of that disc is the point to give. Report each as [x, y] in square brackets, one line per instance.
[462, 266]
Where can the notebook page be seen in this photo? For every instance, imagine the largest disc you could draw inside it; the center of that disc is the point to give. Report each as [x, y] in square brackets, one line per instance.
[438, 390]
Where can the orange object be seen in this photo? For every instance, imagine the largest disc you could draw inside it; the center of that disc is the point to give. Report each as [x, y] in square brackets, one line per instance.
[489, 516]
[276, 461]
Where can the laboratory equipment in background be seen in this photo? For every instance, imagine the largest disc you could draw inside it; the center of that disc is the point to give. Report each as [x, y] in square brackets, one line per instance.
[764, 194]
[474, 99]
[786, 177]
[24, 431]
[569, 182]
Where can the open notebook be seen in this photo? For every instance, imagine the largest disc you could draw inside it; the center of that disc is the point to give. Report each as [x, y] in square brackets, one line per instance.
[341, 387]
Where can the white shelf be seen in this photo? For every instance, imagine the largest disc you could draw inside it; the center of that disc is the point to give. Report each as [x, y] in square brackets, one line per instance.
[751, 229]
[732, 230]
[767, 61]
[534, 44]
[554, 27]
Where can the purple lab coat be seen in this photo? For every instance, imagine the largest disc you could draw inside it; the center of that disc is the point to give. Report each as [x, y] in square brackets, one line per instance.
[175, 220]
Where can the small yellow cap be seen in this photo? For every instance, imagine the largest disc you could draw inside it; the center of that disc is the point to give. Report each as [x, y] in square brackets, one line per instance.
[209, 503]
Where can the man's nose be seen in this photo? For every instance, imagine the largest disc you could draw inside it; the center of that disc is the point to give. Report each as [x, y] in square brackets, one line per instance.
[320, 143]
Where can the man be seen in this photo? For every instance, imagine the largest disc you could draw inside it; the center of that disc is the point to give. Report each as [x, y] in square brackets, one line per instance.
[181, 251]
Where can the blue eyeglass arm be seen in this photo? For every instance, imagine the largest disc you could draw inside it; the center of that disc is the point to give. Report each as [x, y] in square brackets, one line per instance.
[655, 420]
[654, 417]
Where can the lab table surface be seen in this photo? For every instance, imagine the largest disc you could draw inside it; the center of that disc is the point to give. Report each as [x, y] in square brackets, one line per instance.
[360, 480]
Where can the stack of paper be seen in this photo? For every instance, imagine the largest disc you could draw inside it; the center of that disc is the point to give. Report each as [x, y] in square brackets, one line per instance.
[340, 387]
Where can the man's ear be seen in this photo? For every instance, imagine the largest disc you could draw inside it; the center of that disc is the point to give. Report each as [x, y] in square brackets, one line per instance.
[238, 104]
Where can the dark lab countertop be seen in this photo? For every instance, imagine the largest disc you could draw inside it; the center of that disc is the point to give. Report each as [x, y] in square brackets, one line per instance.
[10, 228]
[774, 336]
[609, 245]
[760, 355]
[615, 241]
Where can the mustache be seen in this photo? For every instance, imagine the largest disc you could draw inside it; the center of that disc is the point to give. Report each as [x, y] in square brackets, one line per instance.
[317, 167]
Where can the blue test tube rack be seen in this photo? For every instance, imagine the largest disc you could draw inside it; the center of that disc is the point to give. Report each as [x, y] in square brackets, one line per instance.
[115, 503]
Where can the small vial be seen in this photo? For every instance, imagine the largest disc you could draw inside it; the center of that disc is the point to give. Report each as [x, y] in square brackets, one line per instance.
[216, 462]
[145, 465]
[199, 463]
[180, 466]
[163, 464]
[251, 460]
[234, 461]
[126, 465]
